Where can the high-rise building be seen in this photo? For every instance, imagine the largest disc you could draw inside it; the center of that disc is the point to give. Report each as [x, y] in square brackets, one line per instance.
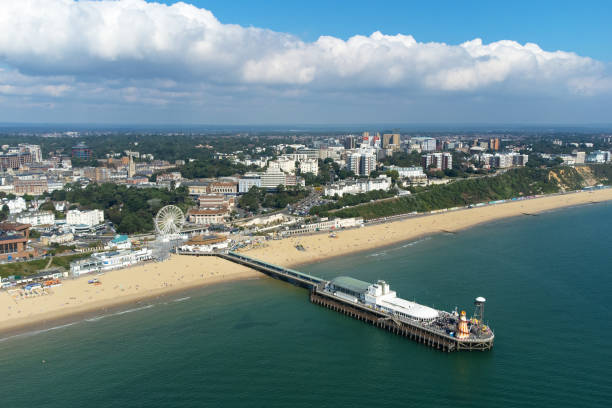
[81, 151]
[131, 167]
[428, 144]
[391, 139]
[367, 164]
[494, 144]
[353, 162]
[442, 161]
[349, 142]
[362, 164]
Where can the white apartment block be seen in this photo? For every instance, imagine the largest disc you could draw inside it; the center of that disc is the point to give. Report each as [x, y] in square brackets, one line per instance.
[309, 166]
[285, 164]
[36, 218]
[88, 217]
[359, 186]
[408, 172]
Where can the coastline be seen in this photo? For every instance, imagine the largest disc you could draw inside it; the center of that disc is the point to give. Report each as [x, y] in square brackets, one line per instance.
[75, 299]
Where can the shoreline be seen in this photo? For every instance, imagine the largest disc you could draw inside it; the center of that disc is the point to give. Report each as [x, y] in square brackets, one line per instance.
[182, 273]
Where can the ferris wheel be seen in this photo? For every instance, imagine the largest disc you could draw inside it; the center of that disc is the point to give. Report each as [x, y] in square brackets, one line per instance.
[169, 220]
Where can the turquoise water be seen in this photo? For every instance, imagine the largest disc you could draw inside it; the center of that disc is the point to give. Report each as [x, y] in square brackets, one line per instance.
[261, 343]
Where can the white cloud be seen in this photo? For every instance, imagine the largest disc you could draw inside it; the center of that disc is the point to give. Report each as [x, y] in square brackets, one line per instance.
[151, 53]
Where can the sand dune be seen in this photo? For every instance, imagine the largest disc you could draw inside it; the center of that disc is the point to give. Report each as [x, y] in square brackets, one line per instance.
[76, 296]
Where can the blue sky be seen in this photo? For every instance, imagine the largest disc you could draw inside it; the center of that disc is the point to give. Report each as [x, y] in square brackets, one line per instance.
[316, 62]
[584, 27]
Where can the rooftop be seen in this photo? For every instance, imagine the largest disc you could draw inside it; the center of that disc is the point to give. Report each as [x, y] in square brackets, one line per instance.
[352, 284]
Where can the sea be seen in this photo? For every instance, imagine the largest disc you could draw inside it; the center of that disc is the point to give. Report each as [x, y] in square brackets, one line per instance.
[261, 343]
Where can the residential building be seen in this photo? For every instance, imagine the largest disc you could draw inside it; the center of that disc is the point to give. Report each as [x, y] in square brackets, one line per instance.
[14, 160]
[88, 218]
[361, 163]
[309, 166]
[56, 238]
[494, 144]
[36, 218]
[285, 164]
[408, 172]
[426, 144]
[441, 161]
[382, 182]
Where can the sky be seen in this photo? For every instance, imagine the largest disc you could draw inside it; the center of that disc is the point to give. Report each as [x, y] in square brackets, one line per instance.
[294, 62]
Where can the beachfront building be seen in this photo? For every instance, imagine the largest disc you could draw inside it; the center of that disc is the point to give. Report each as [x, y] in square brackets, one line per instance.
[36, 218]
[206, 244]
[106, 261]
[208, 216]
[382, 182]
[324, 225]
[87, 218]
[119, 242]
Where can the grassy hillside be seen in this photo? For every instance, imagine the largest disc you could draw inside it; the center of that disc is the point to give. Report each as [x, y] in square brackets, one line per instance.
[514, 183]
[31, 267]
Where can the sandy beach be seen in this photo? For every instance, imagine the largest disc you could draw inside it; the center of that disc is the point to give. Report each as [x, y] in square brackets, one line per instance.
[178, 273]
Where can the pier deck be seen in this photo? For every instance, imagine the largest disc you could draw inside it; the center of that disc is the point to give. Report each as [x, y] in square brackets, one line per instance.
[416, 331]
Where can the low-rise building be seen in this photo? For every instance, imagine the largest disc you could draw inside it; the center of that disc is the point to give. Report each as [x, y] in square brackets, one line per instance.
[382, 182]
[106, 261]
[56, 238]
[215, 201]
[208, 216]
[408, 172]
[119, 242]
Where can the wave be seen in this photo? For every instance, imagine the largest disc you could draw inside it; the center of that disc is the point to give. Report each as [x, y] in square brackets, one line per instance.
[35, 332]
[412, 243]
[182, 299]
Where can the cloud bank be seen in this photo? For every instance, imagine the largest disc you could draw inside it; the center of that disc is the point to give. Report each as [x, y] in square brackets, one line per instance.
[135, 52]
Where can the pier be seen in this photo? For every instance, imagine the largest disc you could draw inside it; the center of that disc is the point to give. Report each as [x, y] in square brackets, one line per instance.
[431, 333]
[278, 272]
